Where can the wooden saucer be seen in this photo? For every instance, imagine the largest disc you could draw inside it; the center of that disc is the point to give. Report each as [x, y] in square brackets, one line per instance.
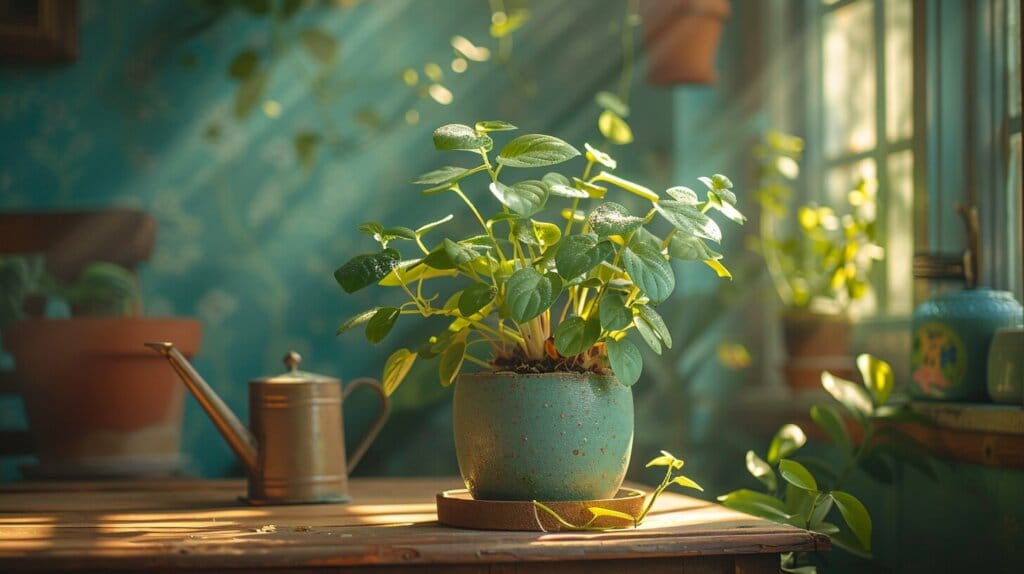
[457, 508]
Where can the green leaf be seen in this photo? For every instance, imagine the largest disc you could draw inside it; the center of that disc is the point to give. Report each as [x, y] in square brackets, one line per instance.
[762, 471]
[357, 320]
[370, 228]
[395, 370]
[524, 198]
[367, 269]
[829, 420]
[576, 335]
[856, 517]
[249, 93]
[614, 128]
[653, 318]
[244, 64]
[683, 195]
[610, 218]
[397, 232]
[786, 441]
[690, 248]
[451, 360]
[647, 334]
[319, 44]
[612, 102]
[494, 126]
[528, 293]
[725, 208]
[613, 312]
[650, 271]
[687, 483]
[593, 191]
[666, 459]
[536, 150]
[755, 503]
[578, 254]
[851, 395]
[796, 474]
[459, 137]
[625, 360]
[381, 323]
[878, 377]
[459, 254]
[446, 174]
[689, 219]
[474, 298]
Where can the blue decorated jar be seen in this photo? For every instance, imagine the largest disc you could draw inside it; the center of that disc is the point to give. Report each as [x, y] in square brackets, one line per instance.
[951, 337]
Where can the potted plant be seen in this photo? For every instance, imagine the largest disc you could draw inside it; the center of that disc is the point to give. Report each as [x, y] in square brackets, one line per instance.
[554, 302]
[98, 402]
[819, 267]
[681, 39]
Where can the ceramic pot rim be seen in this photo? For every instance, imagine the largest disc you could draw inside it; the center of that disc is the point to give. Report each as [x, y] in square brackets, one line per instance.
[505, 376]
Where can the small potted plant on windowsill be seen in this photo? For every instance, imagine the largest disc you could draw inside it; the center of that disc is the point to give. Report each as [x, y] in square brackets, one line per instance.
[549, 416]
[97, 402]
[819, 267]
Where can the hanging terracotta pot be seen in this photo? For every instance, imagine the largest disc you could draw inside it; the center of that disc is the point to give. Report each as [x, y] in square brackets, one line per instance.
[681, 38]
[99, 403]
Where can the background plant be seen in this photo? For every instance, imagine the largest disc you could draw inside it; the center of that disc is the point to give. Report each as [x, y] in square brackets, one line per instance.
[823, 263]
[100, 289]
[862, 436]
[543, 295]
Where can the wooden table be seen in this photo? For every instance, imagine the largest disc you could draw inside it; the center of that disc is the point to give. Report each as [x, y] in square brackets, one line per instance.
[391, 526]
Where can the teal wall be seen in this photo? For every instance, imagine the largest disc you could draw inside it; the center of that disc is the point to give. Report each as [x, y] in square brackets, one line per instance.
[250, 229]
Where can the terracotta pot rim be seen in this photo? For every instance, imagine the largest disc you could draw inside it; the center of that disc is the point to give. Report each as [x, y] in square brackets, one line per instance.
[791, 314]
[505, 376]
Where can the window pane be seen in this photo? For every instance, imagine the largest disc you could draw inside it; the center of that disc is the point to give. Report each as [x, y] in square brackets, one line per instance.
[898, 200]
[1013, 58]
[839, 182]
[849, 78]
[899, 69]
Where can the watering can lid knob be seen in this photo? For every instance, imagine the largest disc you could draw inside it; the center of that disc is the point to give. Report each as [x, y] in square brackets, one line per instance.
[292, 360]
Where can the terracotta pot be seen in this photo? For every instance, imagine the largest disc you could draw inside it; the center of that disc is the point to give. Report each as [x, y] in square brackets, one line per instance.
[94, 395]
[816, 343]
[681, 38]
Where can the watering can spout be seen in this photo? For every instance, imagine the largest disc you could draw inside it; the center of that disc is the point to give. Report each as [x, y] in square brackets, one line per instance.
[238, 436]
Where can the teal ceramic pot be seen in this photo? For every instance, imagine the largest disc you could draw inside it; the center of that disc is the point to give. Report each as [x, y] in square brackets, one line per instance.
[548, 437]
[952, 334]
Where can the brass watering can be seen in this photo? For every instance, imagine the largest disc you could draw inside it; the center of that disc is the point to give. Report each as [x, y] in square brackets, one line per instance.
[295, 452]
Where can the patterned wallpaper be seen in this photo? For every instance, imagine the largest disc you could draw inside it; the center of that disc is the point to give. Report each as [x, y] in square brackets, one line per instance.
[255, 213]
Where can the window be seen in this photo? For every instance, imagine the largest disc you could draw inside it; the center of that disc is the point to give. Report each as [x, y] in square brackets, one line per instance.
[863, 126]
[924, 98]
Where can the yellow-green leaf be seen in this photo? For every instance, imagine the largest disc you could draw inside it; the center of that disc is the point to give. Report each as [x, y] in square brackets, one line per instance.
[598, 512]
[396, 368]
[614, 128]
[687, 483]
[878, 377]
[718, 267]
[786, 441]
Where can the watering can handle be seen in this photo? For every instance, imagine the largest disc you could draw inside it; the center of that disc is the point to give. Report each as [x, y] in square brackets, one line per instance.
[385, 408]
